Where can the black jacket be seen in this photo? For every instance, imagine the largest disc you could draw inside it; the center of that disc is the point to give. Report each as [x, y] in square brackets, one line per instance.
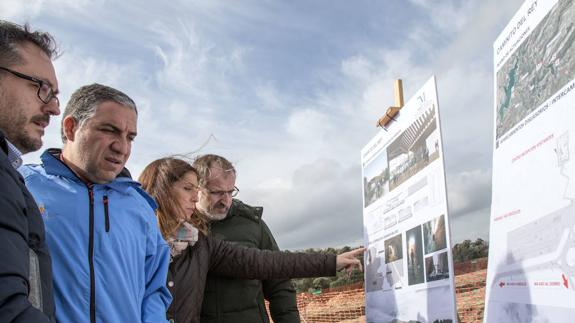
[228, 300]
[25, 268]
[188, 272]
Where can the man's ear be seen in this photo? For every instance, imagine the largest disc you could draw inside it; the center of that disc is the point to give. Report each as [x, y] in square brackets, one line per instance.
[69, 126]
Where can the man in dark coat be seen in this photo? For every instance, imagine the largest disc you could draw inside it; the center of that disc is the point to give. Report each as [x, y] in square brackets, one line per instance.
[239, 300]
[28, 89]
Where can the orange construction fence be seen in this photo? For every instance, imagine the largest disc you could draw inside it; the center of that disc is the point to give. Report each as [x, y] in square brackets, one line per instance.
[346, 304]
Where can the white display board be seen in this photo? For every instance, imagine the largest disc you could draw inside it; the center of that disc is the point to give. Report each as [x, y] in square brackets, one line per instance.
[531, 268]
[408, 262]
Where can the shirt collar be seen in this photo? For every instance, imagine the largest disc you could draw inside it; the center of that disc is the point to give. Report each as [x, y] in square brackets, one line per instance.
[14, 155]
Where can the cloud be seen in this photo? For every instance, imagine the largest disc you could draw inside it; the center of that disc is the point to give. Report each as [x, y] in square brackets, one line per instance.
[80, 69]
[466, 115]
[312, 212]
[357, 68]
[19, 11]
[469, 192]
[182, 55]
[269, 96]
[447, 17]
[308, 124]
[290, 92]
[474, 225]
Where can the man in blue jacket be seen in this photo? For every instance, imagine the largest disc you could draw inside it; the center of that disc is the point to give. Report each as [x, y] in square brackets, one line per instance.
[110, 262]
[28, 89]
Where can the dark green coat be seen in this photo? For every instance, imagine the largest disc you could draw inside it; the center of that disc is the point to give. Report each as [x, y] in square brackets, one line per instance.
[242, 301]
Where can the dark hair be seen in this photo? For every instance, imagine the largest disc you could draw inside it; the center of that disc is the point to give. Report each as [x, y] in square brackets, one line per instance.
[158, 180]
[84, 101]
[204, 163]
[13, 35]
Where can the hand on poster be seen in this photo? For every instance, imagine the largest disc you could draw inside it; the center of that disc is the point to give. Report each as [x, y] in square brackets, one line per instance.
[348, 260]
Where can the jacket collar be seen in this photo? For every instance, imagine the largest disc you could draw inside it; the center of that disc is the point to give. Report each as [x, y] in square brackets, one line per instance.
[54, 166]
[14, 155]
[239, 208]
[122, 183]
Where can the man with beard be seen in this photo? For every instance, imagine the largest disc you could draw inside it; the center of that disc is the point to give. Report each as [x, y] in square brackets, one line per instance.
[28, 97]
[110, 262]
[236, 300]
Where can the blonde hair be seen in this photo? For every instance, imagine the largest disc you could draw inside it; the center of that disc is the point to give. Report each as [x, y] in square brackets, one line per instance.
[158, 180]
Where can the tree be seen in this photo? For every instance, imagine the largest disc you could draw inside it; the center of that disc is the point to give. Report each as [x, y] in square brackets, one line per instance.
[321, 283]
[303, 284]
[468, 250]
[342, 278]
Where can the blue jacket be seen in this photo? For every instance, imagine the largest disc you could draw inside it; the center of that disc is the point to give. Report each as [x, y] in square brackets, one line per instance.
[109, 259]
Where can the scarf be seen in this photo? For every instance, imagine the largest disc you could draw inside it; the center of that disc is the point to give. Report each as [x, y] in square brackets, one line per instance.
[186, 235]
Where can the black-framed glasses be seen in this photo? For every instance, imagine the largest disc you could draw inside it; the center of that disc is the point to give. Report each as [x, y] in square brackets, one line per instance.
[220, 194]
[45, 92]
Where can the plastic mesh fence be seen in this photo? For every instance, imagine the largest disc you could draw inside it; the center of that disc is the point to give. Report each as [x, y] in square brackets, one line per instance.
[347, 304]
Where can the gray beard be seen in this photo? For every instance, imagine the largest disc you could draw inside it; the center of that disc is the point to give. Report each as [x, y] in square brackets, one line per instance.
[215, 216]
[209, 215]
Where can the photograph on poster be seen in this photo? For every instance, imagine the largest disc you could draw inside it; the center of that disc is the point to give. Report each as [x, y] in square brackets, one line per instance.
[436, 267]
[434, 235]
[413, 149]
[521, 86]
[393, 249]
[393, 263]
[375, 179]
[414, 256]
[373, 270]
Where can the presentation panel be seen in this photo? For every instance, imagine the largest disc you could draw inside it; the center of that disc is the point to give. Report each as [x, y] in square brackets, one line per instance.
[532, 227]
[408, 271]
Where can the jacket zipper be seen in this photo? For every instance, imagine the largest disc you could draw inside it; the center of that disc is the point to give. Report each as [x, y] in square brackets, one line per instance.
[91, 256]
[90, 187]
[106, 214]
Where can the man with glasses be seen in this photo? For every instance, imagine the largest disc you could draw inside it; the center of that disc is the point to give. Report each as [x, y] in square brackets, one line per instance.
[28, 89]
[236, 300]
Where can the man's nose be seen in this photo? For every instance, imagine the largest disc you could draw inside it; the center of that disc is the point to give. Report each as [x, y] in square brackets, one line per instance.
[227, 199]
[52, 107]
[121, 146]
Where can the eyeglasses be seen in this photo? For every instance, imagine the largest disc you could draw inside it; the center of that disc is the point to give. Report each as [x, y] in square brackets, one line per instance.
[220, 194]
[45, 92]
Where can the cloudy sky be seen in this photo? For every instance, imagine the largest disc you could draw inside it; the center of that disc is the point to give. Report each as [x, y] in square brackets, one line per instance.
[289, 91]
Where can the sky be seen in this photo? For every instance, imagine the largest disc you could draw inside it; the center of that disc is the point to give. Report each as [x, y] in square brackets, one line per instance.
[289, 91]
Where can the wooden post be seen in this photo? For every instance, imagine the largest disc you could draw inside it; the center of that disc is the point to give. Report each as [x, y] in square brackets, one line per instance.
[394, 110]
[398, 86]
